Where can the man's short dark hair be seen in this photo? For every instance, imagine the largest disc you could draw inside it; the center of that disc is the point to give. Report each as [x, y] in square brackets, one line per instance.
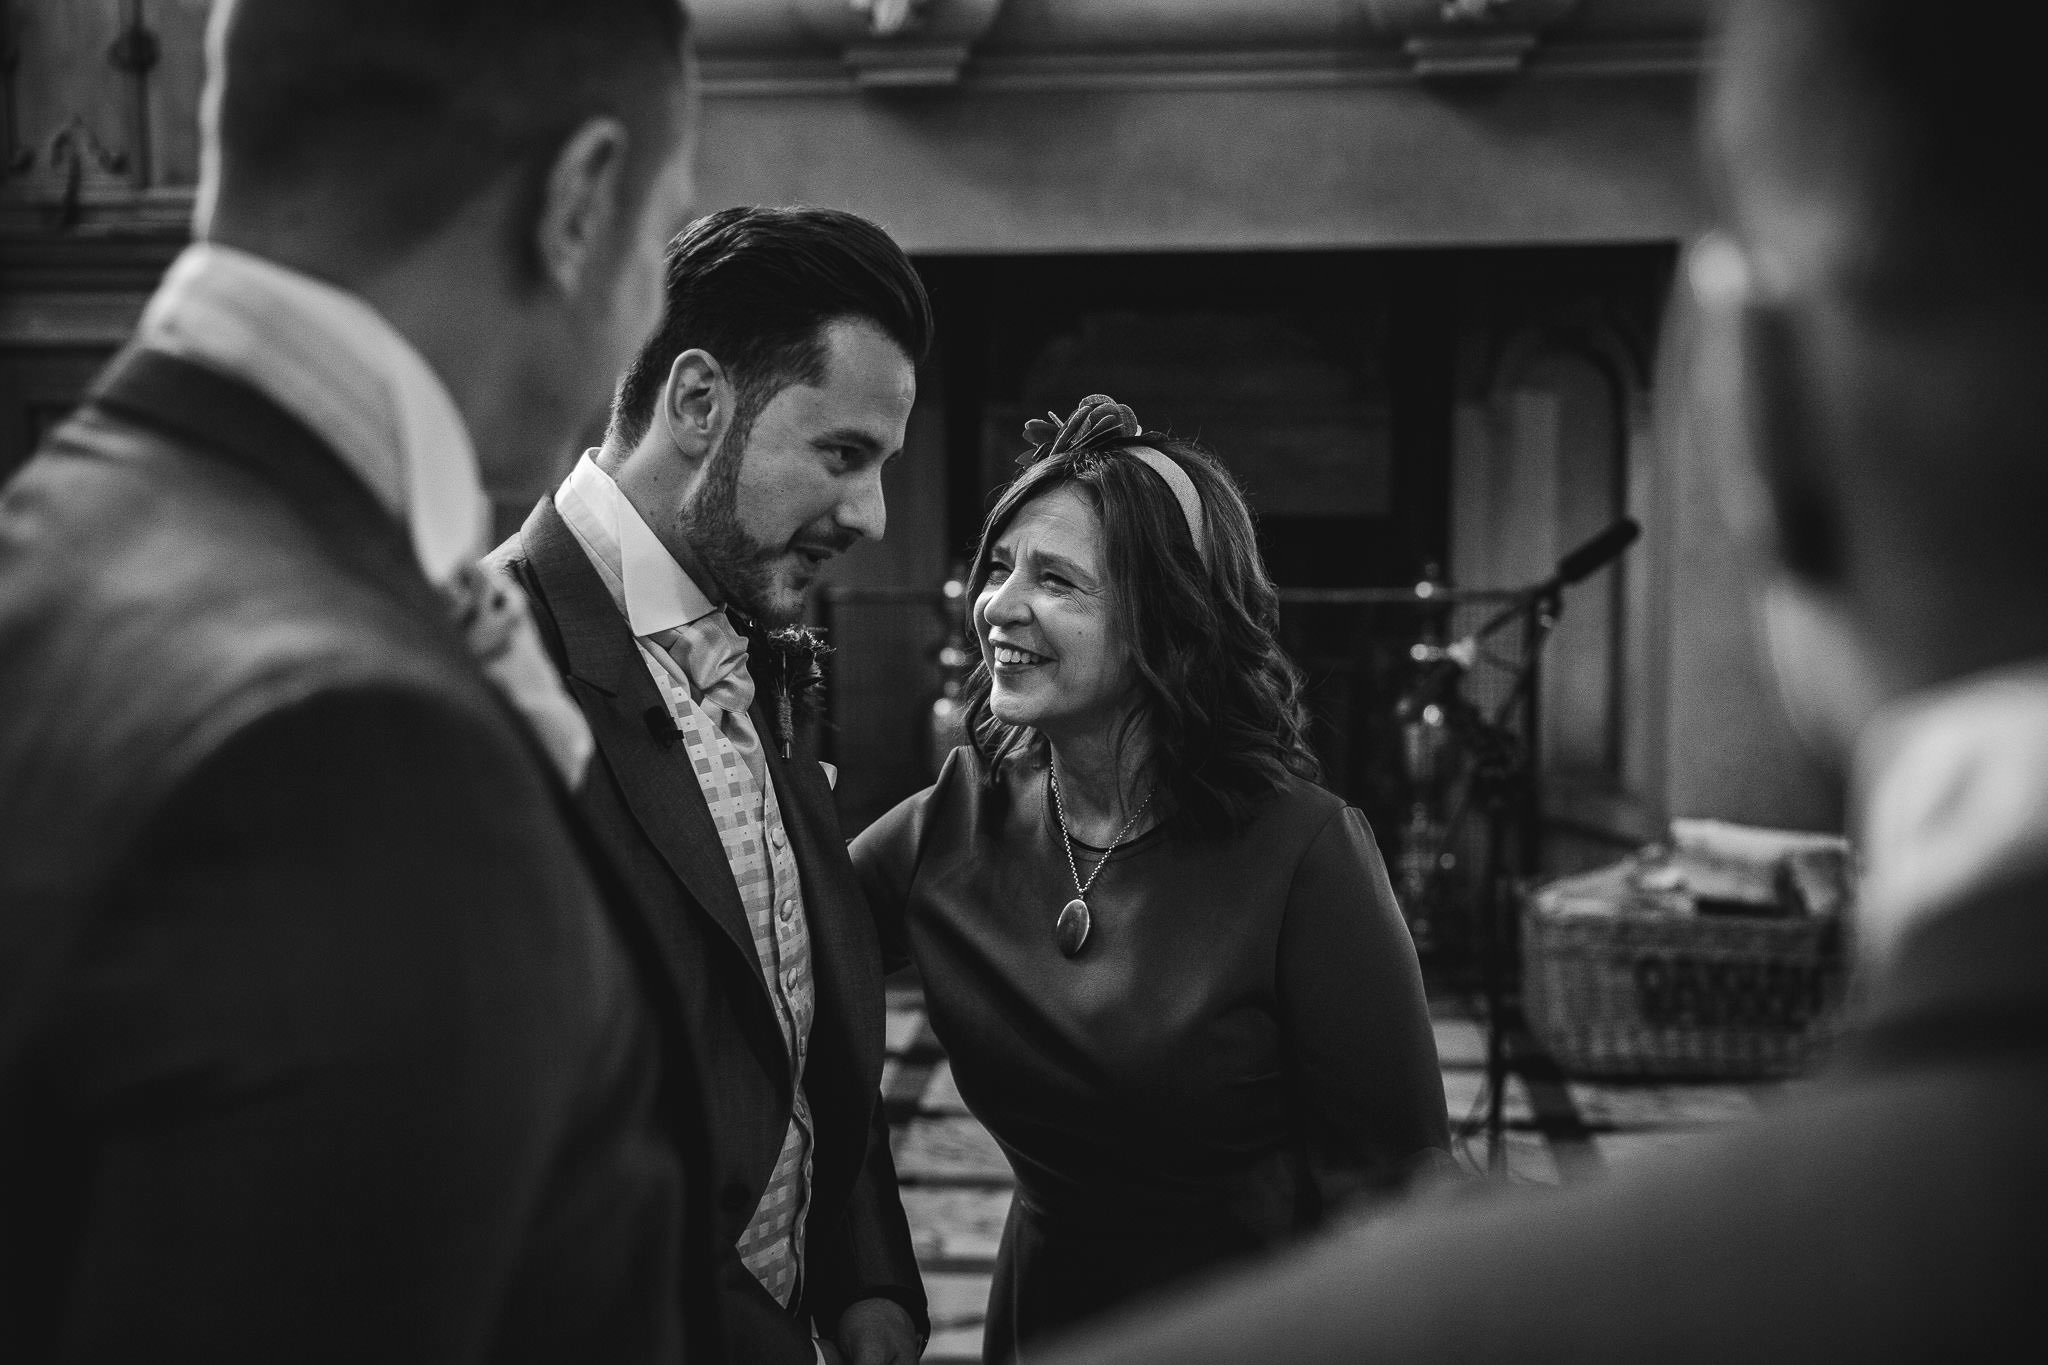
[416, 105]
[754, 288]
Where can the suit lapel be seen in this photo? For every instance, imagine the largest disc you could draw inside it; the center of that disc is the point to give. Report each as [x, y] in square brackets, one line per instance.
[610, 682]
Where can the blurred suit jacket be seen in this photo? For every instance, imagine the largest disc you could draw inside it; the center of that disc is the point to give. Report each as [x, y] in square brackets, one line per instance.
[316, 1042]
[650, 813]
[1889, 1209]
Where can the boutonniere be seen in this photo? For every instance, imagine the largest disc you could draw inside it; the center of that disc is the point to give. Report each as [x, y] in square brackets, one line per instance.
[790, 664]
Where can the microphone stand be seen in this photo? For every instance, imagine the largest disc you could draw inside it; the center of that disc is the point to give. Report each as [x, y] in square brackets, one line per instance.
[1502, 783]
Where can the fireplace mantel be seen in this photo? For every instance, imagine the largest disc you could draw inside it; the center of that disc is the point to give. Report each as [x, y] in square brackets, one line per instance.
[1054, 125]
[1146, 125]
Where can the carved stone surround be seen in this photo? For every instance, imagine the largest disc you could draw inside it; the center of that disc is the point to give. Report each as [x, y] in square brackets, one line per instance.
[97, 99]
[789, 46]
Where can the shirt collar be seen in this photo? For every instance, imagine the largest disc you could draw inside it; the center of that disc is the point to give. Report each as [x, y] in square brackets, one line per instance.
[331, 360]
[649, 588]
[1952, 789]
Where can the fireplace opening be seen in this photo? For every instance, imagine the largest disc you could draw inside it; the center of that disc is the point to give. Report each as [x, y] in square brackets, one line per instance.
[1452, 417]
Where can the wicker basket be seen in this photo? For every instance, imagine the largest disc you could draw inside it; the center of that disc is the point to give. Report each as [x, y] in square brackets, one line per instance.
[1620, 979]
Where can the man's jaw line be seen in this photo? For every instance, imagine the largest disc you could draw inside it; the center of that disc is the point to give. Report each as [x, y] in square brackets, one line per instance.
[779, 584]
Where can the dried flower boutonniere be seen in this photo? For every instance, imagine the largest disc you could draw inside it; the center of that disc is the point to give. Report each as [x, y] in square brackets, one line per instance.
[788, 661]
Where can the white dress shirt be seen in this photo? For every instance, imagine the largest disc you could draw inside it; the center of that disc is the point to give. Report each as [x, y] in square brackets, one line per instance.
[331, 360]
[650, 589]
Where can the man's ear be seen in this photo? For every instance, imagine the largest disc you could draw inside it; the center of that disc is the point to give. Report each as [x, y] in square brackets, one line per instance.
[1747, 400]
[580, 205]
[696, 404]
[1790, 452]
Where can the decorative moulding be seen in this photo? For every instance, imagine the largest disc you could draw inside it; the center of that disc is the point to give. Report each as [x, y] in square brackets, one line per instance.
[777, 48]
[890, 18]
[900, 66]
[1458, 38]
[897, 44]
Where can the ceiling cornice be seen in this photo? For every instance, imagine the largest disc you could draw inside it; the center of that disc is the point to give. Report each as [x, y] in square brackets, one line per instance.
[821, 75]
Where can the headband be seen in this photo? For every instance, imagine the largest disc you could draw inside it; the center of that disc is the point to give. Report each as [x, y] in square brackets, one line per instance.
[1099, 420]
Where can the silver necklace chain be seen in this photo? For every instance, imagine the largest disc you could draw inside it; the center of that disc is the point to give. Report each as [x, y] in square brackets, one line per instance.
[1060, 811]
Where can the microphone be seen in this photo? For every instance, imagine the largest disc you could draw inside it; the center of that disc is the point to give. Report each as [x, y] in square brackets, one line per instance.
[1596, 554]
[1450, 662]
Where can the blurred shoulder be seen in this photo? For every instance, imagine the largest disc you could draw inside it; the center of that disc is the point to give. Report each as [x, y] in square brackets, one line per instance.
[213, 599]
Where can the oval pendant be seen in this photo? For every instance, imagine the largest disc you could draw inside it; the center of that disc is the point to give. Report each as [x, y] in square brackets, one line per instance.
[1070, 931]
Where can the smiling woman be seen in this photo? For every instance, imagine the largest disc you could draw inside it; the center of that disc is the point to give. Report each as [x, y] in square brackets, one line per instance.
[1150, 537]
[1047, 625]
[1167, 966]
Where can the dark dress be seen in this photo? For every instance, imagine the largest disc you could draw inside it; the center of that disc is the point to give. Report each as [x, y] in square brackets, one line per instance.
[1242, 1044]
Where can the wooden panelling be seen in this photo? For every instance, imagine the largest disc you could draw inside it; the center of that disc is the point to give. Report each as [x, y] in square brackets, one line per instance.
[65, 307]
[102, 101]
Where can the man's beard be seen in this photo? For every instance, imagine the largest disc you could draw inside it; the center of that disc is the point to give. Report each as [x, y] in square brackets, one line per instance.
[741, 569]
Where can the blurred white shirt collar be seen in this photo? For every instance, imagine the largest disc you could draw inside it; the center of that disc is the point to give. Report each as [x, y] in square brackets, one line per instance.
[650, 588]
[1952, 789]
[332, 361]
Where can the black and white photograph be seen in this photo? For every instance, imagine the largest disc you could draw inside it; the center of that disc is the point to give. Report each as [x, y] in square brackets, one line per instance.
[1022, 682]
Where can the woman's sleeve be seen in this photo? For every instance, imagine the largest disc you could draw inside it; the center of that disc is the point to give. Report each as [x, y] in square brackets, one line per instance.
[885, 861]
[1361, 1049]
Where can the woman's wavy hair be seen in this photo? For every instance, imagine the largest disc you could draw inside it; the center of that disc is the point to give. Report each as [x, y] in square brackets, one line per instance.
[1220, 701]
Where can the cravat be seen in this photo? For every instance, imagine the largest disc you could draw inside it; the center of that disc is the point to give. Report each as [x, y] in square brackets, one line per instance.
[714, 655]
[497, 623]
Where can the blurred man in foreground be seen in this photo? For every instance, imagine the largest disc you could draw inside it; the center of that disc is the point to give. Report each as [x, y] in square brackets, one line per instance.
[1875, 323]
[316, 1042]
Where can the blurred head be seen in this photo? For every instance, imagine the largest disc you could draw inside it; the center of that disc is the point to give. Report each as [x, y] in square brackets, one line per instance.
[752, 430]
[1871, 335]
[498, 176]
[1098, 619]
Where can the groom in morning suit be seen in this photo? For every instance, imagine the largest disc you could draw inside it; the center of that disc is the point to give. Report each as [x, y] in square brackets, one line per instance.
[316, 1040]
[746, 447]
[1870, 323]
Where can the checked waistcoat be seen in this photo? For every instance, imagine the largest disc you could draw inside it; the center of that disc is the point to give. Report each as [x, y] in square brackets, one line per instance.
[749, 821]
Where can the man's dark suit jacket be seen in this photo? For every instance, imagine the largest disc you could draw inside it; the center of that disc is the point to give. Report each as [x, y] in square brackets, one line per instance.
[1890, 1209]
[650, 813]
[315, 1040]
